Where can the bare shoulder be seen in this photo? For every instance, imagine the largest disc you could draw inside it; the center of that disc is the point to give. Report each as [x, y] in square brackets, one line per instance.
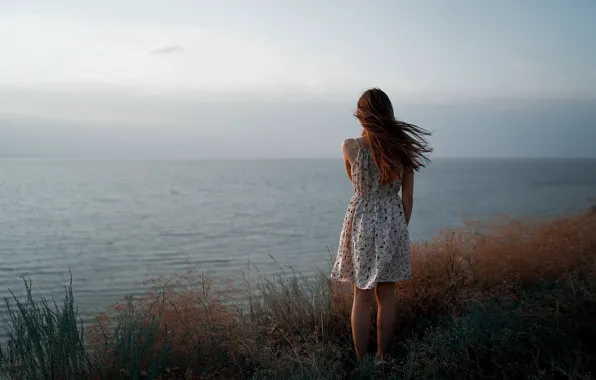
[349, 144]
[350, 148]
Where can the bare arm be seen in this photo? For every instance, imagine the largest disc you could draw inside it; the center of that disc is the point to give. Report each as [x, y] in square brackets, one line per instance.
[349, 149]
[348, 168]
[407, 194]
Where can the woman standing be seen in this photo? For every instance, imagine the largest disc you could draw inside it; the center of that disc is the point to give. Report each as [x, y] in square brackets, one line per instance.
[374, 247]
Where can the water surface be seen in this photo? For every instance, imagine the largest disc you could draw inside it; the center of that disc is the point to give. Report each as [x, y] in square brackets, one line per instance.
[117, 224]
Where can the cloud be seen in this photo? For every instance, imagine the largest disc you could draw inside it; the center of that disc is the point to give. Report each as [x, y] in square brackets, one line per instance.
[168, 49]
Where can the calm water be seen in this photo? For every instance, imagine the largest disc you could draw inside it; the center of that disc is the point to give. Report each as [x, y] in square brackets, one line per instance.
[117, 224]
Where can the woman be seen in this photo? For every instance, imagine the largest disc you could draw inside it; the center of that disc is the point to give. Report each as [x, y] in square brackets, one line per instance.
[374, 247]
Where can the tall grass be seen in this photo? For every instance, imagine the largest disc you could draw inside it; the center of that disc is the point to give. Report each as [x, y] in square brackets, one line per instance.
[44, 340]
[510, 299]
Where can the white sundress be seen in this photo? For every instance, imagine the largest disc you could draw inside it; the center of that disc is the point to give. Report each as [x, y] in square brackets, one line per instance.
[374, 245]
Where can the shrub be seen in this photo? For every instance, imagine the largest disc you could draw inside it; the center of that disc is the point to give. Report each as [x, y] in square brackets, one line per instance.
[509, 299]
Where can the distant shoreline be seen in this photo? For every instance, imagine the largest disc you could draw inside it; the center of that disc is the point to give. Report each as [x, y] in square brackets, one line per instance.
[39, 156]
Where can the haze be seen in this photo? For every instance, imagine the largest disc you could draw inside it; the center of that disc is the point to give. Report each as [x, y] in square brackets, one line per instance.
[263, 79]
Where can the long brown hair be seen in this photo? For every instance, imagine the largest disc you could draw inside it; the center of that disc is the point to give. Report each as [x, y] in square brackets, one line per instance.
[396, 146]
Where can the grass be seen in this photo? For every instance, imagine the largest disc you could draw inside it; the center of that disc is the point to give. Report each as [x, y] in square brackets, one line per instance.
[504, 300]
[44, 341]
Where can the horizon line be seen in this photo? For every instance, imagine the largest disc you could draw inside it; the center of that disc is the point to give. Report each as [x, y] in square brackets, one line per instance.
[76, 157]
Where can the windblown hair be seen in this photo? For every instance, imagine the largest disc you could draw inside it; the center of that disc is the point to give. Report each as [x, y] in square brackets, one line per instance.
[396, 146]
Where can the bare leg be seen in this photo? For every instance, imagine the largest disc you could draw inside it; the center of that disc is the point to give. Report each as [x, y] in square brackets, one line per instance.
[361, 323]
[387, 313]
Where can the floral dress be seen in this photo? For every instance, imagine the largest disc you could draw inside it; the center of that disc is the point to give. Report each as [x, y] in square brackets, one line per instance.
[374, 245]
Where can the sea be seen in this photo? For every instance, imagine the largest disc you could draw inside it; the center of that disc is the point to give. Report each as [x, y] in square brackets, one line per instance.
[114, 225]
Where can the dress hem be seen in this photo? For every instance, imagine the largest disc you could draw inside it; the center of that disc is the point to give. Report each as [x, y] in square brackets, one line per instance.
[374, 285]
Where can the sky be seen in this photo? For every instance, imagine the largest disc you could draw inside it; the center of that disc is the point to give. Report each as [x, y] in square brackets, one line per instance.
[261, 79]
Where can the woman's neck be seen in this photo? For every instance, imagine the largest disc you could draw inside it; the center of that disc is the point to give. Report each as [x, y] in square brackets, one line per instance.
[364, 141]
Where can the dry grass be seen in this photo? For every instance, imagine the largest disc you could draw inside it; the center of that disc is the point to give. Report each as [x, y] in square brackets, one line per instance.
[483, 258]
[478, 296]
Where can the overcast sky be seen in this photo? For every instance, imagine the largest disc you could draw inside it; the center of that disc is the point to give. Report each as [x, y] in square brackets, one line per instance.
[185, 79]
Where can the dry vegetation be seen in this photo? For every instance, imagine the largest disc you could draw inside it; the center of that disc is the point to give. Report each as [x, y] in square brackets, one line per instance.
[515, 299]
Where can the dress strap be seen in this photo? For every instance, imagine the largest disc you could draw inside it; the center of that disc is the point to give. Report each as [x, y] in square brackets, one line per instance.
[358, 142]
